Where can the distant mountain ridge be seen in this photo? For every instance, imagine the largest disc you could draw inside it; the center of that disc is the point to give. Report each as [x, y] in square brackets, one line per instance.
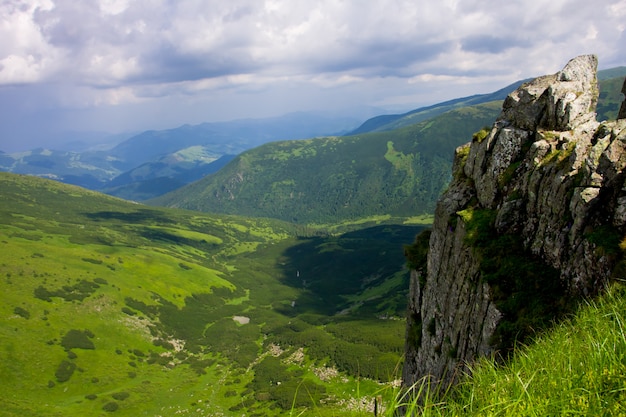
[228, 137]
[394, 121]
[153, 179]
[94, 169]
[152, 163]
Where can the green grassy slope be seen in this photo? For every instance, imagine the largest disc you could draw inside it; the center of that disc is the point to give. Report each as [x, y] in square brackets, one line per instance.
[110, 306]
[578, 368]
[333, 179]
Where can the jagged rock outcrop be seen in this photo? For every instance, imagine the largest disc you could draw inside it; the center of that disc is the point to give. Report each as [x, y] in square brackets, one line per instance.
[533, 218]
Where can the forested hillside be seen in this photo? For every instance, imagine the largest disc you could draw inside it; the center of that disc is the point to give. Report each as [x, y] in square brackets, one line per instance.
[387, 122]
[395, 171]
[332, 179]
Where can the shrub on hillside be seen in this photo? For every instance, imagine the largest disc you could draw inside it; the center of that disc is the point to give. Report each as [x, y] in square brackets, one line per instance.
[111, 406]
[417, 253]
[64, 371]
[77, 339]
[120, 396]
[22, 312]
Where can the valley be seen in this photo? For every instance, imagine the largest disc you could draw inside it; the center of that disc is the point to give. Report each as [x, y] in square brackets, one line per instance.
[110, 305]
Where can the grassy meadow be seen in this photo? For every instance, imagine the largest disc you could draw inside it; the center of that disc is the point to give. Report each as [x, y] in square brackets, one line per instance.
[114, 307]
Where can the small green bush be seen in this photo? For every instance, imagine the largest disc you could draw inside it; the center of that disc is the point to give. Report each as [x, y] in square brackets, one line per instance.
[481, 134]
[120, 396]
[479, 224]
[65, 370]
[22, 312]
[128, 311]
[43, 294]
[606, 238]
[111, 406]
[76, 292]
[77, 339]
[92, 261]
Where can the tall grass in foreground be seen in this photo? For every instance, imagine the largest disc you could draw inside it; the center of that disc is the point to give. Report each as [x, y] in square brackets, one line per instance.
[578, 368]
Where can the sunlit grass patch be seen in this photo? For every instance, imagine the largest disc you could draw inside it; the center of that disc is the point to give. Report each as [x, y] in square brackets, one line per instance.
[578, 368]
[425, 219]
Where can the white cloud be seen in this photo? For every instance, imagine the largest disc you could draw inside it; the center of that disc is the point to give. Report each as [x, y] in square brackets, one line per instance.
[117, 42]
[113, 7]
[25, 56]
[15, 69]
[98, 53]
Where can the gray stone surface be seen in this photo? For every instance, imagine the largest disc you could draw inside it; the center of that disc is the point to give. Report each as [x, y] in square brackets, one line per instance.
[553, 174]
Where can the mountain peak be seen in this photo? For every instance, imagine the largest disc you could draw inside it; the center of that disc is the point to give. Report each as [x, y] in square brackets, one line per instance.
[560, 101]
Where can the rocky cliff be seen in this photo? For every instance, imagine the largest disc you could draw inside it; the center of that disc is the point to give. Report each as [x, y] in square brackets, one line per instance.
[532, 221]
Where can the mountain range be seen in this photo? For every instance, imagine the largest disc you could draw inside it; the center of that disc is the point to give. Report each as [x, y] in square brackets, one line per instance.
[170, 152]
[397, 165]
[153, 163]
[334, 179]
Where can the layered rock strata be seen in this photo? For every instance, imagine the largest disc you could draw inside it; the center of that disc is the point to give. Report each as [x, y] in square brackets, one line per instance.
[533, 217]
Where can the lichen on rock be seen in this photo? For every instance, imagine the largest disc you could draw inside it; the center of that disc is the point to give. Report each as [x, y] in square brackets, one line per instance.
[532, 220]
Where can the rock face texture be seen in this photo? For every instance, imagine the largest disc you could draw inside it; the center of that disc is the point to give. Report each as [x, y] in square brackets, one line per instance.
[533, 218]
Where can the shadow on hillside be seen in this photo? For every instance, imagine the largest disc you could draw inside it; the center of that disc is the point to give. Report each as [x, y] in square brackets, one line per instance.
[138, 216]
[362, 272]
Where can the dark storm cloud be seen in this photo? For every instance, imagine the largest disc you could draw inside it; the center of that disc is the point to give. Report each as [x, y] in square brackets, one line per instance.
[491, 44]
[168, 64]
[383, 58]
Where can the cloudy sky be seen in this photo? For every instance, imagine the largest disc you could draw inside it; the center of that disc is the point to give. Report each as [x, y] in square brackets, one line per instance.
[123, 65]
